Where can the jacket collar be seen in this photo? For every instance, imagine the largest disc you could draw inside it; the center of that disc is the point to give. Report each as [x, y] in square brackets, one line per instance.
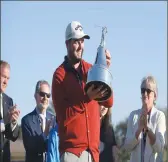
[36, 116]
[151, 113]
[153, 110]
[68, 66]
[39, 113]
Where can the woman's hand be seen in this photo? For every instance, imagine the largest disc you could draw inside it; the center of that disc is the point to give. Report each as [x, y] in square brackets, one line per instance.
[143, 120]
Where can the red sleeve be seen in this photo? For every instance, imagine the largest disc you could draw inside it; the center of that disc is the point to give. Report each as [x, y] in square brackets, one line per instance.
[108, 103]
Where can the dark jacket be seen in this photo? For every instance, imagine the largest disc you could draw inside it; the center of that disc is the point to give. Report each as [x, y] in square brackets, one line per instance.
[109, 140]
[33, 139]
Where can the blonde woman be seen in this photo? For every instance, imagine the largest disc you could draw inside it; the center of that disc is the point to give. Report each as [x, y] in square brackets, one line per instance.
[146, 126]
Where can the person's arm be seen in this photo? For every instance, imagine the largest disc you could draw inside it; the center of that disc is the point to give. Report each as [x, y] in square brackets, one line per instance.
[62, 103]
[108, 103]
[32, 143]
[11, 129]
[11, 134]
[157, 139]
[131, 141]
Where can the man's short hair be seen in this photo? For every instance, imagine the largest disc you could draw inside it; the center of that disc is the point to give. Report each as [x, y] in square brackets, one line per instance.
[38, 85]
[4, 63]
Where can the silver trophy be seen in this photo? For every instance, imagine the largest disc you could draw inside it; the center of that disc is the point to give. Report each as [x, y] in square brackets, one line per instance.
[99, 73]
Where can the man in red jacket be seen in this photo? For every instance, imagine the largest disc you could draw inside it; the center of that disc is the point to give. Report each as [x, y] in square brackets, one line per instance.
[77, 112]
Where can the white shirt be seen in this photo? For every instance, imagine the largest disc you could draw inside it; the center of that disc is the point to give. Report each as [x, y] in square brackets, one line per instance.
[1, 109]
[2, 127]
[157, 124]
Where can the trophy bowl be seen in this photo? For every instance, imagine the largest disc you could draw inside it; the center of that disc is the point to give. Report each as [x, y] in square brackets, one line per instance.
[99, 75]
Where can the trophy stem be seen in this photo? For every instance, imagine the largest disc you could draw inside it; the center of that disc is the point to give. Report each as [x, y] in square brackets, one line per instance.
[101, 58]
[104, 31]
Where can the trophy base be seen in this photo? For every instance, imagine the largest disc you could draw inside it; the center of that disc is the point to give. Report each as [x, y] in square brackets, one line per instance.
[98, 84]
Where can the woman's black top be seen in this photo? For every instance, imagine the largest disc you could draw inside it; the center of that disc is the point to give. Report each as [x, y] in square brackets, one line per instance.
[109, 140]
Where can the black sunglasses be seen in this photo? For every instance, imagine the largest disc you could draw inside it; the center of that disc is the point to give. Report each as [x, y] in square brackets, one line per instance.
[143, 90]
[43, 94]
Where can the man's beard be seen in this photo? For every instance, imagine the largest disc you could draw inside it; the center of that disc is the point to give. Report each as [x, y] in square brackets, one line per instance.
[74, 59]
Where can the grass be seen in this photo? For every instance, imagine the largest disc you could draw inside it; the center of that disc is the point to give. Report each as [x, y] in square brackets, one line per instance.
[17, 157]
[18, 152]
[20, 157]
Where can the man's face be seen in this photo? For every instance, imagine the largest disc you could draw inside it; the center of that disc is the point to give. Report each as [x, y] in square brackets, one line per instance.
[42, 97]
[75, 49]
[5, 76]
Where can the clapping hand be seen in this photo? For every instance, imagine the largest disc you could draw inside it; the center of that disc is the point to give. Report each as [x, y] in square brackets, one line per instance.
[50, 123]
[143, 119]
[13, 114]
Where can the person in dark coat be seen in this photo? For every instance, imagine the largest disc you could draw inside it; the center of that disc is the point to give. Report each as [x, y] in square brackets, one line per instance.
[37, 124]
[108, 146]
[9, 114]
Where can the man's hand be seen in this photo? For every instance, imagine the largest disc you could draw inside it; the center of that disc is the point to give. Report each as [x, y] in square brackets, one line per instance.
[50, 123]
[108, 57]
[95, 93]
[14, 113]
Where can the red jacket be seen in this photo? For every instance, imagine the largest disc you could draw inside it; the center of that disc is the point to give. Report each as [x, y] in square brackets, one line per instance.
[78, 117]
